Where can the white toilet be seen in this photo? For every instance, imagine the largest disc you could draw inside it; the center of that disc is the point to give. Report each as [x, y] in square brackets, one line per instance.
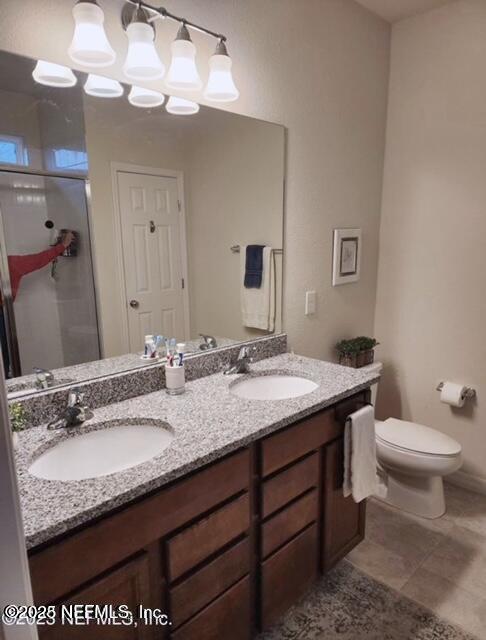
[412, 461]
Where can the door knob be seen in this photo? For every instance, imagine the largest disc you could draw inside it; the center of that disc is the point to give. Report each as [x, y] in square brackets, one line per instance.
[134, 304]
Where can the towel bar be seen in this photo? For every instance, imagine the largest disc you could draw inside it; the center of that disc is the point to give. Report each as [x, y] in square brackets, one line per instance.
[342, 413]
[236, 249]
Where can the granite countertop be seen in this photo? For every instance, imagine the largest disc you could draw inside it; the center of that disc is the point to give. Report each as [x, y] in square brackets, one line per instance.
[208, 422]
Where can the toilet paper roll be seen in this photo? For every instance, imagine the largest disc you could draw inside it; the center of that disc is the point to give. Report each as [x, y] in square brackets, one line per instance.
[453, 394]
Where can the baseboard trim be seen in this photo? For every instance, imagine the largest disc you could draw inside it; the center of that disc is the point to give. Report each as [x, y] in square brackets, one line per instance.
[468, 481]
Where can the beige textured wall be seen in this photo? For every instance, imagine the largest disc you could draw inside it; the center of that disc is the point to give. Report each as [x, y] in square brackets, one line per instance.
[234, 195]
[319, 67]
[431, 306]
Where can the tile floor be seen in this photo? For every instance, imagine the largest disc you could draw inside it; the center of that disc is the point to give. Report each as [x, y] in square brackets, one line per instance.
[441, 564]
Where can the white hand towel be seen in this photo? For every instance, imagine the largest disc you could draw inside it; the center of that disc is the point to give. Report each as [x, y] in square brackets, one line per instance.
[258, 305]
[360, 454]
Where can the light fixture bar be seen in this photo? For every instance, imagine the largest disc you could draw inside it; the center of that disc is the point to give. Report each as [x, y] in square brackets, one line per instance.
[161, 13]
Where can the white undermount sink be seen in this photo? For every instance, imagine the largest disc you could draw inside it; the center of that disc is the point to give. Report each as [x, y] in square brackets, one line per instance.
[101, 452]
[273, 387]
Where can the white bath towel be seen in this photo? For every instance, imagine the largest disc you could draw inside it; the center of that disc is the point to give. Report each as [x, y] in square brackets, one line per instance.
[360, 454]
[258, 305]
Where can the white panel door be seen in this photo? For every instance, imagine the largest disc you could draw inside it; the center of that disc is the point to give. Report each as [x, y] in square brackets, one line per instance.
[152, 256]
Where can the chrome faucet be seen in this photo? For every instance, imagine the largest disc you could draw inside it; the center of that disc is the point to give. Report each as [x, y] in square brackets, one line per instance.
[209, 342]
[44, 379]
[75, 413]
[243, 361]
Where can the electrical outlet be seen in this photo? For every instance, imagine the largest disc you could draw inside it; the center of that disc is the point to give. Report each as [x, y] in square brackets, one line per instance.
[310, 302]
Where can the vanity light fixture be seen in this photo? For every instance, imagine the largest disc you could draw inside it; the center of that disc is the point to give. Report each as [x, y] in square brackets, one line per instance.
[102, 87]
[145, 98]
[53, 75]
[183, 74]
[221, 86]
[142, 61]
[90, 46]
[181, 106]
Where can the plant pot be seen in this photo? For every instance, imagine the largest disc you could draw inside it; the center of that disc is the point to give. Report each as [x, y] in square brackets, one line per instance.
[357, 360]
[369, 356]
[364, 358]
[348, 360]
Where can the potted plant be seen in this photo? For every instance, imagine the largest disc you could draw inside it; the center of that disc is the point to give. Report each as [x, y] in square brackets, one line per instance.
[18, 420]
[348, 353]
[356, 352]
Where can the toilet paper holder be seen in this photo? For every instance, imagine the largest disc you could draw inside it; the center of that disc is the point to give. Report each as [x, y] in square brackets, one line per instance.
[467, 394]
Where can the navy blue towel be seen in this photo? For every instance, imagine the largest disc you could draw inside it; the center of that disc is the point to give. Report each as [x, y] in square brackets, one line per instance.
[254, 266]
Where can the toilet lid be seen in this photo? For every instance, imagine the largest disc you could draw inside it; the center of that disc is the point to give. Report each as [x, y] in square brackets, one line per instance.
[416, 437]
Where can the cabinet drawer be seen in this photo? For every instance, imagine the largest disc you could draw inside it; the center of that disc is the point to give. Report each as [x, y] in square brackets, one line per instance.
[287, 574]
[291, 444]
[209, 582]
[289, 484]
[287, 523]
[205, 537]
[226, 617]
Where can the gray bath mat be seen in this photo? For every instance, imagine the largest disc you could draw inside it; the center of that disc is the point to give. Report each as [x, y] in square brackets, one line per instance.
[348, 605]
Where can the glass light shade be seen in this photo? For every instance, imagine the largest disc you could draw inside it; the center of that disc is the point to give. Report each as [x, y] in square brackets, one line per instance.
[101, 87]
[181, 106]
[90, 46]
[145, 98]
[220, 86]
[142, 62]
[53, 75]
[183, 74]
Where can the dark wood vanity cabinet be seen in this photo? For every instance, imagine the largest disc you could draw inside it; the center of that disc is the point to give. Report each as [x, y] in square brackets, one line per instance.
[185, 532]
[306, 523]
[223, 552]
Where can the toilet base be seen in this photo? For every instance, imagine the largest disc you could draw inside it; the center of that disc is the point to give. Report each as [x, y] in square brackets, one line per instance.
[420, 495]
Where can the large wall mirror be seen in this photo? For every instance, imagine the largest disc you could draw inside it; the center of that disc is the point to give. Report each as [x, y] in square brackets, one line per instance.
[118, 222]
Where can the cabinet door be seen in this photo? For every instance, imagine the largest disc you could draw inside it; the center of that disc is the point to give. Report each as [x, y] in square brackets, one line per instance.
[128, 585]
[344, 519]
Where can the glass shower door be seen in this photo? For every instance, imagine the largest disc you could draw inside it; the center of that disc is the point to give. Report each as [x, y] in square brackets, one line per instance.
[54, 306]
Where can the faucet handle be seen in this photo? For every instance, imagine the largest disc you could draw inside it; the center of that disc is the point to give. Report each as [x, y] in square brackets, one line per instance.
[43, 378]
[75, 397]
[245, 352]
[242, 353]
[209, 341]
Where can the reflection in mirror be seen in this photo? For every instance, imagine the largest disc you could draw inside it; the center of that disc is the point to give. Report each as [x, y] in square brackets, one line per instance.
[119, 222]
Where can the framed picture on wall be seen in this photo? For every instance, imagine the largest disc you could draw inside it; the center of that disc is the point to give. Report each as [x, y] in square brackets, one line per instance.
[346, 256]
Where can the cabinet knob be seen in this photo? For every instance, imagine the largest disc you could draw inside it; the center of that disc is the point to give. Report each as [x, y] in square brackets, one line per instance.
[134, 304]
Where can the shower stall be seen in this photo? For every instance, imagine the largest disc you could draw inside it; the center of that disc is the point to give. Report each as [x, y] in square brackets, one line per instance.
[51, 320]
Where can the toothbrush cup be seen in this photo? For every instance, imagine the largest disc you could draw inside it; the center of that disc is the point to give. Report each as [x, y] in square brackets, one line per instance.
[175, 380]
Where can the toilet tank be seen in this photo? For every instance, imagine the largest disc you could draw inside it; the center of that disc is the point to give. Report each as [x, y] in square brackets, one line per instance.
[376, 367]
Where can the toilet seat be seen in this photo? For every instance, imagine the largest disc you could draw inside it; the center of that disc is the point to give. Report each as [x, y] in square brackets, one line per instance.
[416, 438]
